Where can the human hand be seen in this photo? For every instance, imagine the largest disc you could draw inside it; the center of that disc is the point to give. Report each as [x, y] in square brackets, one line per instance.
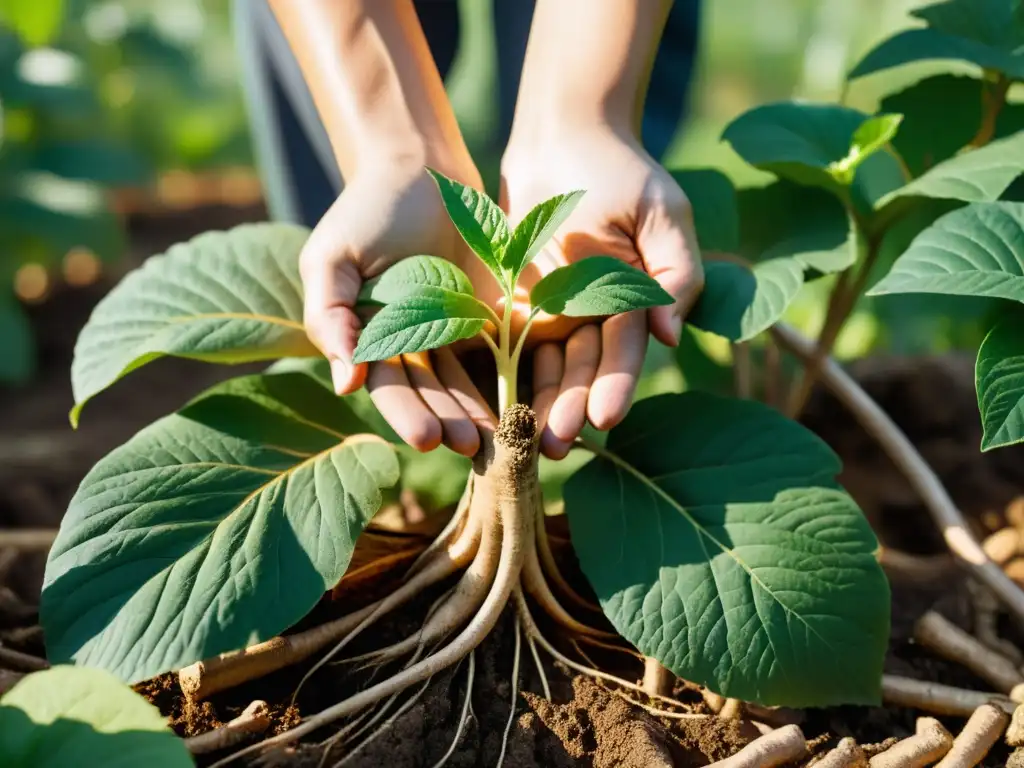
[632, 210]
[391, 211]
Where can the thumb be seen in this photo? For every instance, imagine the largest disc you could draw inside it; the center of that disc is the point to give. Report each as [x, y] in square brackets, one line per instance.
[331, 286]
[667, 245]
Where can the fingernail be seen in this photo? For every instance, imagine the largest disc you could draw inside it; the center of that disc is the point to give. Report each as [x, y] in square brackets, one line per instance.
[340, 374]
[677, 327]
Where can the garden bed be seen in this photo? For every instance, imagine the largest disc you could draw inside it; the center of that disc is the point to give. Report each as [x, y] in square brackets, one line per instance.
[586, 724]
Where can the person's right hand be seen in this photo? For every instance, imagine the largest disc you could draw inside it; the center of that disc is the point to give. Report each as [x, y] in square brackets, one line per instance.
[391, 211]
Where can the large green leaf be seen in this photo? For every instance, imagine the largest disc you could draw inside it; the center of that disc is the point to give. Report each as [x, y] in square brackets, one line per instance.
[534, 231]
[68, 716]
[786, 219]
[810, 144]
[17, 347]
[223, 297]
[715, 208]
[739, 302]
[216, 527]
[996, 23]
[1000, 380]
[597, 285]
[973, 251]
[415, 276]
[717, 541]
[436, 477]
[941, 114]
[37, 22]
[479, 220]
[930, 44]
[419, 323]
[978, 175]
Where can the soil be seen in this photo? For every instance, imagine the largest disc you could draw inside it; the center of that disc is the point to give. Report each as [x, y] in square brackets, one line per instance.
[585, 724]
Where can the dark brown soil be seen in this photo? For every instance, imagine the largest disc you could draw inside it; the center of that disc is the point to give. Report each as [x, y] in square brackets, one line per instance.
[42, 460]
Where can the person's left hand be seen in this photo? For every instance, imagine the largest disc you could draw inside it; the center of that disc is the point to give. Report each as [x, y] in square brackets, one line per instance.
[632, 210]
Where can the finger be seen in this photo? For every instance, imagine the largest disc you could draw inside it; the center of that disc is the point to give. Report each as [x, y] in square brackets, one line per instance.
[623, 345]
[459, 432]
[402, 407]
[454, 378]
[331, 288]
[547, 379]
[668, 246]
[582, 353]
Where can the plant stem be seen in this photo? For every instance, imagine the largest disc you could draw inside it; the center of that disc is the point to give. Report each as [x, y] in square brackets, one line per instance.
[841, 303]
[507, 366]
[993, 99]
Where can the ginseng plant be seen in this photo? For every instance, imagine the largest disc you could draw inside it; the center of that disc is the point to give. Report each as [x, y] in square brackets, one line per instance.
[711, 529]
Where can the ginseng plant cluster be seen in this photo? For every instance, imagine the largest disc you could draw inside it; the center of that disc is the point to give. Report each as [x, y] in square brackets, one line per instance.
[711, 529]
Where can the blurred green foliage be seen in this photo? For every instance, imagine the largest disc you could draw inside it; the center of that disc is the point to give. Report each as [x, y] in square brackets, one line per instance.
[98, 95]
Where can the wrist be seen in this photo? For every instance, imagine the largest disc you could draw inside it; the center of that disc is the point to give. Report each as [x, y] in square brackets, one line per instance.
[546, 143]
[411, 152]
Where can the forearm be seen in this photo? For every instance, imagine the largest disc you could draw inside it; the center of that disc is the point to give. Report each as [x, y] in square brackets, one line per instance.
[589, 62]
[374, 81]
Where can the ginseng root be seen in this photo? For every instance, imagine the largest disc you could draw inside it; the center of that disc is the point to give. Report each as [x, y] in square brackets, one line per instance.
[504, 499]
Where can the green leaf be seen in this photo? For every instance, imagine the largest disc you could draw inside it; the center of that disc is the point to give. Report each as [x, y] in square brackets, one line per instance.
[872, 135]
[931, 44]
[36, 22]
[223, 297]
[808, 143]
[973, 251]
[786, 219]
[700, 370]
[17, 347]
[419, 323]
[715, 208]
[479, 220]
[597, 285]
[57, 717]
[996, 23]
[415, 276]
[214, 528]
[534, 231]
[436, 477]
[816, 253]
[978, 175]
[1000, 380]
[739, 302]
[717, 540]
[941, 115]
